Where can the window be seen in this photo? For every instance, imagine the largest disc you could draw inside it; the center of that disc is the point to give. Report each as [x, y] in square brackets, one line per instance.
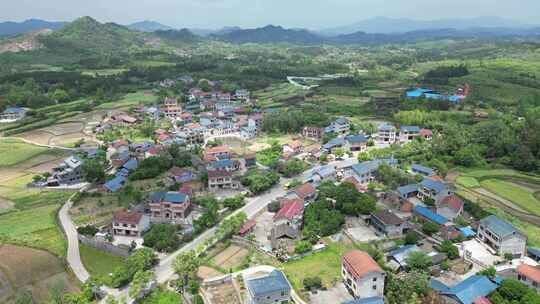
[374, 287]
[374, 279]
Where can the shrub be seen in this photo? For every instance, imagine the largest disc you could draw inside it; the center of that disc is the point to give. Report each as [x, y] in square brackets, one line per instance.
[312, 283]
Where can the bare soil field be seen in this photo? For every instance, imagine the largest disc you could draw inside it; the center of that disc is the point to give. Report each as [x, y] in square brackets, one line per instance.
[24, 268]
[231, 257]
[208, 273]
[39, 136]
[5, 205]
[223, 294]
[65, 128]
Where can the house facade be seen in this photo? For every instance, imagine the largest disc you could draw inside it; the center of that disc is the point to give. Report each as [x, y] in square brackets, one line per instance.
[529, 276]
[387, 223]
[12, 114]
[386, 134]
[362, 275]
[219, 180]
[169, 207]
[502, 236]
[68, 173]
[313, 133]
[130, 223]
[287, 221]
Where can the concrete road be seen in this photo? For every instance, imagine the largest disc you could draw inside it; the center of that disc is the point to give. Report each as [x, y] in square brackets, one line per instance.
[73, 254]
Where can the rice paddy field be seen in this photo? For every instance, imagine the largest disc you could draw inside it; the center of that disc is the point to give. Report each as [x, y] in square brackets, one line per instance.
[13, 152]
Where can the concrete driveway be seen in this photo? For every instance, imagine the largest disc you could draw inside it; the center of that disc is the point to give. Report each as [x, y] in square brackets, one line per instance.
[337, 294]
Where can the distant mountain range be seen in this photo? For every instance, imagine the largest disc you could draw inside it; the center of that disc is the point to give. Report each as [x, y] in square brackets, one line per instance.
[269, 34]
[386, 25]
[16, 28]
[149, 26]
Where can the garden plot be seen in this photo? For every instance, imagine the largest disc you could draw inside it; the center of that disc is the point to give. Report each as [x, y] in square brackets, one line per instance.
[29, 269]
[206, 272]
[231, 257]
[222, 294]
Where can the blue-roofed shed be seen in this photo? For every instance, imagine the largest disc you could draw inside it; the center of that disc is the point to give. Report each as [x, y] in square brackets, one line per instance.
[222, 163]
[418, 92]
[407, 190]
[175, 197]
[438, 286]
[430, 215]
[131, 164]
[401, 254]
[436, 186]
[272, 283]
[115, 184]
[419, 169]
[467, 232]
[372, 300]
[470, 289]
[410, 129]
[356, 139]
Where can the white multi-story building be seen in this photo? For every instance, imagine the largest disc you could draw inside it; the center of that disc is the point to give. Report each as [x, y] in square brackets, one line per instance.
[362, 275]
[502, 236]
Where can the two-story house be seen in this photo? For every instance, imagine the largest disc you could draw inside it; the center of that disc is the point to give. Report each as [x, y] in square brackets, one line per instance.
[169, 207]
[216, 153]
[357, 143]
[340, 126]
[433, 188]
[268, 288]
[502, 236]
[365, 172]
[313, 133]
[408, 133]
[287, 221]
[362, 275]
[130, 223]
[221, 179]
[228, 165]
[387, 133]
[242, 95]
[305, 192]
[387, 223]
[12, 114]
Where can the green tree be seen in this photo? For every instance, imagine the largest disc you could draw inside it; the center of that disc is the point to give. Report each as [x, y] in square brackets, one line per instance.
[186, 265]
[162, 237]
[450, 249]
[418, 260]
[93, 170]
[430, 228]
[302, 247]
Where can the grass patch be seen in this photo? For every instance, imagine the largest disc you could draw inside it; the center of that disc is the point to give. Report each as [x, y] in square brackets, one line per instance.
[130, 100]
[99, 263]
[13, 152]
[468, 182]
[35, 227]
[325, 264]
[521, 196]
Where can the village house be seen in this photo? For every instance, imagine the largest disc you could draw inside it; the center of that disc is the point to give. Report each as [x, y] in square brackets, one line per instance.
[294, 147]
[287, 221]
[68, 173]
[170, 108]
[115, 184]
[450, 207]
[12, 114]
[386, 133]
[362, 275]
[502, 236]
[408, 133]
[313, 133]
[218, 180]
[336, 143]
[340, 126]
[365, 172]
[472, 290]
[427, 134]
[268, 288]
[182, 175]
[228, 165]
[432, 188]
[357, 143]
[256, 120]
[242, 95]
[130, 223]
[424, 214]
[248, 133]
[407, 191]
[306, 192]
[218, 152]
[325, 173]
[250, 160]
[388, 223]
[529, 275]
[169, 207]
[397, 258]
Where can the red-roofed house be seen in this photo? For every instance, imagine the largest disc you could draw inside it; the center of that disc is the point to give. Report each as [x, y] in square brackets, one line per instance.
[294, 147]
[305, 192]
[362, 275]
[426, 133]
[287, 221]
[529, 275]
[219, 152]
[450, 207]
[130, 223]
[247, 228]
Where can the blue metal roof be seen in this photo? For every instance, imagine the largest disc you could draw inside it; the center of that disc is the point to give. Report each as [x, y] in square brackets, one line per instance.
[274, 282]
[223, 163]
[533, 251]
[410, 128]
[471, 289]
[14, 110]
[356, 138]
[500, 227]
[372, 165]
[174, 197]
[335, 142]
[131, 164]
[115, 184]
[438, 286]
[405, 190]
[400, 254]
[430, 215]
[372, 300]
[386, 127]
[423, 170]
[416, 93]
[467, 232]
[438, 187]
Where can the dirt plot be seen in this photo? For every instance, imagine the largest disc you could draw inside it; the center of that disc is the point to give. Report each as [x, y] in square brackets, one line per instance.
[24, 268]
[208, 273]
[65, 128]
[231, 257]
[222, 294]
[5, 205]
[39, 136]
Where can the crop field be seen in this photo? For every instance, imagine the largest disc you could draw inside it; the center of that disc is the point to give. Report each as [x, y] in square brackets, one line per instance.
[130, 100]
[13, 152]
[519, 195]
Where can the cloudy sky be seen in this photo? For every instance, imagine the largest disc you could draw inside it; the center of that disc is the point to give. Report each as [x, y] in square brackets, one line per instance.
[314, 14]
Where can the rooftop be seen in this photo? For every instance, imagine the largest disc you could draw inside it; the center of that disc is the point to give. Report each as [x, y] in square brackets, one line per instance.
[360, 263]
[132, 218]
[388, 217]
[290, 209]
[471, 289]
[500, 227]
[273, 282]
[530, 272]
[431, 184]
[430, 215]
[306, 190]
[175, 197]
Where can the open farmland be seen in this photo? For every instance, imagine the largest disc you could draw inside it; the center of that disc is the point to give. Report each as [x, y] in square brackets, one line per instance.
[13, 152]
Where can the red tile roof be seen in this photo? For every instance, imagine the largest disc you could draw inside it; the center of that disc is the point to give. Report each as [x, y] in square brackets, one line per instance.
[426, 133]
[290, 209]
[217, 149]
[219, 173]
[482, 300]
[452, 202]
[186, 189]
[125, 217]
[247, 227]
[360, 263]
[530, 272]
[306, 190]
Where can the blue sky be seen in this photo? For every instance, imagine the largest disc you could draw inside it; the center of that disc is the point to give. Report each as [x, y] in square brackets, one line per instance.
[314, 14]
